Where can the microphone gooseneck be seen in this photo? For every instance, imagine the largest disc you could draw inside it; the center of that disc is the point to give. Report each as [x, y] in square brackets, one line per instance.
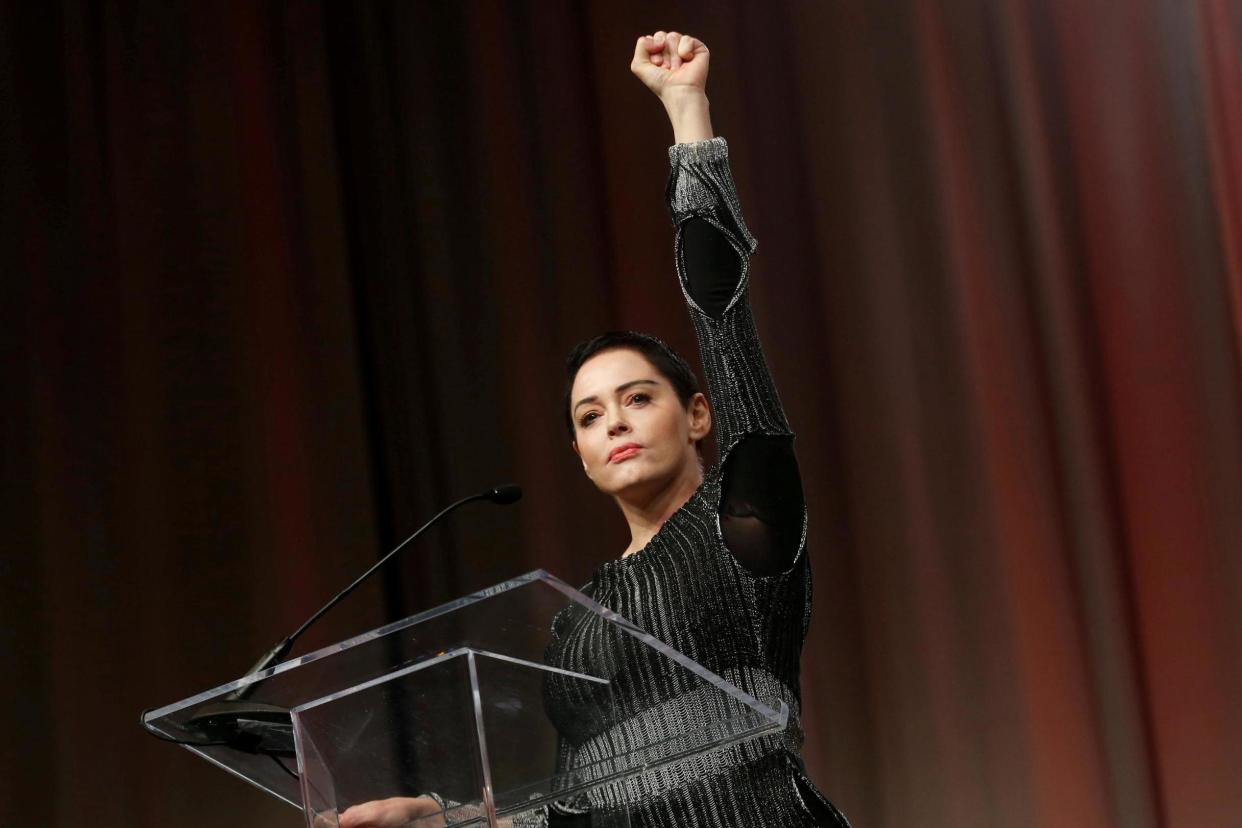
[263, 728]
[503, 494]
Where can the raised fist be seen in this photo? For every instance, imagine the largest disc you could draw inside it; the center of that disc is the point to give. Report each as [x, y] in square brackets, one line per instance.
[671, 63]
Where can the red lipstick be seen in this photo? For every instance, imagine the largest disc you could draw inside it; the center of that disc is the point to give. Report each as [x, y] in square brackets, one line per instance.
[623, 452]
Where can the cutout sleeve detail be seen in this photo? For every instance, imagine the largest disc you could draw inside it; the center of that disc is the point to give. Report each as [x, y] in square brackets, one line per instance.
[762, 511]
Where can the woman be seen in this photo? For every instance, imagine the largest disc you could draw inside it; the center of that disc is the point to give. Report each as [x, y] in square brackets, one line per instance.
[716, 559]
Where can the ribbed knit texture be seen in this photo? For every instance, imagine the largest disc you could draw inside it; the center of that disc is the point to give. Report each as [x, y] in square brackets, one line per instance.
[687, 589]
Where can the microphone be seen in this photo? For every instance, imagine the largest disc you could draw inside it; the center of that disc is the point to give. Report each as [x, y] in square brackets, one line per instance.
[504, 494]
[254, 727]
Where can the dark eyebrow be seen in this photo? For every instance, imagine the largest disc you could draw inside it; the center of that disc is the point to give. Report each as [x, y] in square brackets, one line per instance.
[622, 387]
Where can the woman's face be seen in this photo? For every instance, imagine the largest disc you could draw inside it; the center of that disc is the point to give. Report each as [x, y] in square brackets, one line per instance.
[631, 431]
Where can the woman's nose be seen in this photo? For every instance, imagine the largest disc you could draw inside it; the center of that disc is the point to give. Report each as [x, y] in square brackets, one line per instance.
[617, 425]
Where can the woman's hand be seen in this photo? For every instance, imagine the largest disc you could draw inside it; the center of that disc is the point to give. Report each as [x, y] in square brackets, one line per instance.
[674, 67]
[393, 812]
[671, 64]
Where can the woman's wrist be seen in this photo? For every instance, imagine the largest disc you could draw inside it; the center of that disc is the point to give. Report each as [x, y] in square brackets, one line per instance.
[690, 115]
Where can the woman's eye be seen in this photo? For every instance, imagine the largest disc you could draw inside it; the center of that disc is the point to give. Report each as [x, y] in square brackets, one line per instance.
[587, 419]
[640, 398]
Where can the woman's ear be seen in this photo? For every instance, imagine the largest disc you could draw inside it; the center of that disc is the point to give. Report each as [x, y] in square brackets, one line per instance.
[700, 414]
[574, 445]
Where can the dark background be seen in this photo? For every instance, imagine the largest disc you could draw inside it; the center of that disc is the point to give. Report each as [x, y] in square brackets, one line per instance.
[281, 279]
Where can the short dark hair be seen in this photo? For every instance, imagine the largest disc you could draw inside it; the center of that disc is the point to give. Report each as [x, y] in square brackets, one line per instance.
[666, 361]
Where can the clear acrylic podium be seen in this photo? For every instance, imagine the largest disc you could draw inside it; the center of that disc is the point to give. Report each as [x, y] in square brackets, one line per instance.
[452, 701]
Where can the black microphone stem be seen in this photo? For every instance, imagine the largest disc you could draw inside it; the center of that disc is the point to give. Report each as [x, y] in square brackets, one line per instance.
[219, 720]
[380, 563]
[278, 652]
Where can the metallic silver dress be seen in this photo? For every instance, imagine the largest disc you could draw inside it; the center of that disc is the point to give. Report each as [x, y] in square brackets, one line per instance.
[690, 590]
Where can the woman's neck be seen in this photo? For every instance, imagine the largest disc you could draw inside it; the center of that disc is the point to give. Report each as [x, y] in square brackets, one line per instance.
[647, 515]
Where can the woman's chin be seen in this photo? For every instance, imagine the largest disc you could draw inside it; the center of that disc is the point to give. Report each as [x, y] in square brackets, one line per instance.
[628, 482]
[640, 483]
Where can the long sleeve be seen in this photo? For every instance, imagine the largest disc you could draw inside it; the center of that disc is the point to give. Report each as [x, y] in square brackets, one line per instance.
[701, 186]
[761, 509]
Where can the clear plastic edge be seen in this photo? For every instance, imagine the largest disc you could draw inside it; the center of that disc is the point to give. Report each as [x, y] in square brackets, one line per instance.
[442, 657]
[361, 638]
[466, 600]
[781, 715]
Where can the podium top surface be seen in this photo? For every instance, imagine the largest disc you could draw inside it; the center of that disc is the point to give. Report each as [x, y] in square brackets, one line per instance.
[467, 699]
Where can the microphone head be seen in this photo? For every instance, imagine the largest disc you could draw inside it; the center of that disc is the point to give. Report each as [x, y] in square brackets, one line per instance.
[504, 494]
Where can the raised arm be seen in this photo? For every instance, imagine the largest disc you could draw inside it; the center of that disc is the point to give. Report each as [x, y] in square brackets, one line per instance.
[761, 508]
